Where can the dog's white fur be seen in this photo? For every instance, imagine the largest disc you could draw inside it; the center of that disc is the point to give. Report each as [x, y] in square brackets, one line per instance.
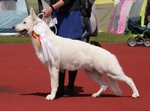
[74, 55]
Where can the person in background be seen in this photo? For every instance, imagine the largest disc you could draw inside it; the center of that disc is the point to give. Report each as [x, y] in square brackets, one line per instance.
[147, 13]
[86, 9]
[69, 25]
[40, 6]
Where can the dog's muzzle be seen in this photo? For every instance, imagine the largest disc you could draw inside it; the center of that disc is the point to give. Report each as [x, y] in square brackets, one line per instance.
[22, 32]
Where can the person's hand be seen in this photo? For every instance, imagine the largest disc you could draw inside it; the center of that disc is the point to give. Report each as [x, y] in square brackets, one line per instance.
[48, 12]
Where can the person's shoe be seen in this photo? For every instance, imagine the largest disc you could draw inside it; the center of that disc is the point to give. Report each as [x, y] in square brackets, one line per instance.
[95, 43]
[60, 92]
[69, 93]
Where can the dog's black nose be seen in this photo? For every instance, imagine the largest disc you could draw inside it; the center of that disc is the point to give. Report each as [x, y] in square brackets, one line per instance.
[13, 27]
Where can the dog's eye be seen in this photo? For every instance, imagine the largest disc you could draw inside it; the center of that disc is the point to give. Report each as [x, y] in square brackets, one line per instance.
[24, 22]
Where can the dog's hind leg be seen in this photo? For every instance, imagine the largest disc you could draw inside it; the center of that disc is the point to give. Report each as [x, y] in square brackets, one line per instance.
[98, 78]
[114, 86]
[54, 83]
[128, 80]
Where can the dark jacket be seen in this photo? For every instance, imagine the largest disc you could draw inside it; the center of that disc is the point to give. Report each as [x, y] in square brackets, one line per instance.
[70, 5]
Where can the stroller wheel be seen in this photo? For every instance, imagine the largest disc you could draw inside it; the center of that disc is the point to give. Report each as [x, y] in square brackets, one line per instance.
[147, 42]
[131, 42]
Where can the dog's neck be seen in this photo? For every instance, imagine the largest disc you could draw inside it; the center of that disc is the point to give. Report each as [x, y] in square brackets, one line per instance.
[43, 23]
[41, 37]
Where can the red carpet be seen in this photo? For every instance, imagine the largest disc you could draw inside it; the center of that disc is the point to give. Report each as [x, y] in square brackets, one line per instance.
[24, 82]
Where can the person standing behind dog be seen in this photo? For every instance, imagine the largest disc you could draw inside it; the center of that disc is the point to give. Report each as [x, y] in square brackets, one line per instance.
[69, 25]
[86, 9]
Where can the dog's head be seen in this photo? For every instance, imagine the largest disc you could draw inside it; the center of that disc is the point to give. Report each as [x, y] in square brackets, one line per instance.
[27, 24]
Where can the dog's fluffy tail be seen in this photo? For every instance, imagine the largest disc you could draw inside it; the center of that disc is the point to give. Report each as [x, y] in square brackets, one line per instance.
[114, 86]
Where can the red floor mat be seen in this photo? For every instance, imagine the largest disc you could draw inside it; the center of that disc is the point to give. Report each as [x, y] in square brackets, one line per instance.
[24, 82]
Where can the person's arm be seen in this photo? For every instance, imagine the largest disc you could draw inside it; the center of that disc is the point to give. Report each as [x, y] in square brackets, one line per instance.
[50, 9]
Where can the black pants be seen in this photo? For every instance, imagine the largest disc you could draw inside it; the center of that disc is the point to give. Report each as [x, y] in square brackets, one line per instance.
[72, 77]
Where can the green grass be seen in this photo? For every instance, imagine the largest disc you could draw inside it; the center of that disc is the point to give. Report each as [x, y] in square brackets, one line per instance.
[14, 39]
[102, 37]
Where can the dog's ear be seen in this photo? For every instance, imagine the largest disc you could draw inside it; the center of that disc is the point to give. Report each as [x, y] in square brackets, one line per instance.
[32, 13]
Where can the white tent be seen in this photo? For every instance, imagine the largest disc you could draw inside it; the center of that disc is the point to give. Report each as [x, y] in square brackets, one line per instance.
[104, 10]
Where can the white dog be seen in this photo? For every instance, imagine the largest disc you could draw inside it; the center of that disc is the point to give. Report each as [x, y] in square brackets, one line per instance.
[59, 53]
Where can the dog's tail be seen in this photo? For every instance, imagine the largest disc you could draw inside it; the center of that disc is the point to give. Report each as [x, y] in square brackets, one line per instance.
[114, 86]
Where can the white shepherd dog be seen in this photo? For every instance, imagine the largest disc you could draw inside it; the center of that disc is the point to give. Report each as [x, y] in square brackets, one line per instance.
[59, 53]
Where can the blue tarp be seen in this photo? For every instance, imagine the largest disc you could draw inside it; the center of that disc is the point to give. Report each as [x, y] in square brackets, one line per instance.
[10, 17]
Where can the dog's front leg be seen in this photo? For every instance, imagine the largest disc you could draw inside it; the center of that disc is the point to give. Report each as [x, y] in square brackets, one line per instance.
[54, 83]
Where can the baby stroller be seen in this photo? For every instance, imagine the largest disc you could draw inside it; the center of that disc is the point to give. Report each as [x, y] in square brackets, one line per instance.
[143, 33]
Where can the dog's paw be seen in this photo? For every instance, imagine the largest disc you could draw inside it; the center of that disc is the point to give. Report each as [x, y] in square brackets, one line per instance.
[95, 95]
[50, 97]
[135, 95]
[102, 89]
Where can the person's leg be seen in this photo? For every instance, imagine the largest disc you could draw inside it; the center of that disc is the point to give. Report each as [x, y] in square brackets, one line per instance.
[88, 29]
[70, 88]
[60, 91]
